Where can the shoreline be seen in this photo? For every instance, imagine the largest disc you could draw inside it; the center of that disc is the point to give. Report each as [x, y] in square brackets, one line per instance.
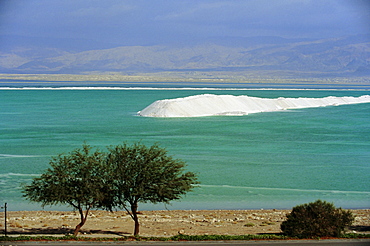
[220, 77]
[160, 223]
[176, 88]
[165, 80]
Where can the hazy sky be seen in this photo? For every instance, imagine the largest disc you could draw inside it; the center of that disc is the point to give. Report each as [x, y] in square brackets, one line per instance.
[143, 22]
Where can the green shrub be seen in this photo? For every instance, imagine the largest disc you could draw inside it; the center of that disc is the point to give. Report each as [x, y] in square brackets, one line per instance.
[317, 219]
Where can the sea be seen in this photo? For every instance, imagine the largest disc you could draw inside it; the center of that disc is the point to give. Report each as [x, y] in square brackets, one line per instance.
[270, 160]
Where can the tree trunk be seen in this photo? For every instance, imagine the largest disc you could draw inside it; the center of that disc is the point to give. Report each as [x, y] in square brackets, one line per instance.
[136, 219]
[77, 229]
[83, 220]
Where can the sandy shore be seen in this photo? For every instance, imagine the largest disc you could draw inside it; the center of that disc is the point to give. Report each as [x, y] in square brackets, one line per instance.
[159, 223]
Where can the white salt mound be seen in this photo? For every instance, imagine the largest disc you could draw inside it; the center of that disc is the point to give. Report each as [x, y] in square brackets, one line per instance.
[211, 105]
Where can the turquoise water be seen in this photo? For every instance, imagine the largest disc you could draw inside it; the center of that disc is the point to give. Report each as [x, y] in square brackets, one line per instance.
[265, 160]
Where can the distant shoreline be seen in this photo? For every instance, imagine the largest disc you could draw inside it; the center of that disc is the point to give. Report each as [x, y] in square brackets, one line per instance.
[162, 88]
[220, 78]
[174, 86]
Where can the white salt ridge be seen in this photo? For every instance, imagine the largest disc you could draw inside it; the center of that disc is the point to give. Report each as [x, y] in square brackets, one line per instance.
[212, 105]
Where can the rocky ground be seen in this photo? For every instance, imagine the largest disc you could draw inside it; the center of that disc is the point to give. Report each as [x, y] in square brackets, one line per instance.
[159, 223]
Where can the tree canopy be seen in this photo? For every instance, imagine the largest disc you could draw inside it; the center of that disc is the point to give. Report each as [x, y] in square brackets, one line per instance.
[122, 178]
[141, 174]
[74, 179]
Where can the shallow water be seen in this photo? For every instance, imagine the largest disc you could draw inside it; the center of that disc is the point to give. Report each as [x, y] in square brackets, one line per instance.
[264, 160]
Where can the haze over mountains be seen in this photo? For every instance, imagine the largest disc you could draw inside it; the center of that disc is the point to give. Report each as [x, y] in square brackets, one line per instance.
[342, 56]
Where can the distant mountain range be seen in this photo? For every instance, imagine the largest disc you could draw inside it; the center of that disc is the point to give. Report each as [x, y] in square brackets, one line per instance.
[345, 56]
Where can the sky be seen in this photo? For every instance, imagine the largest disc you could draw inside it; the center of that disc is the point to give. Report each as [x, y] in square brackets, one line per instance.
[150, 22]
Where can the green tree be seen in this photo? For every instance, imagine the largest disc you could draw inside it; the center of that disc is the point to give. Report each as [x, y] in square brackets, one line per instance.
[74, 179]
[317, 219]
[141, 174]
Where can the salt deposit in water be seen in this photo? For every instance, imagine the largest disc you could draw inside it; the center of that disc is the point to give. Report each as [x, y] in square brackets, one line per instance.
[212, 105]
